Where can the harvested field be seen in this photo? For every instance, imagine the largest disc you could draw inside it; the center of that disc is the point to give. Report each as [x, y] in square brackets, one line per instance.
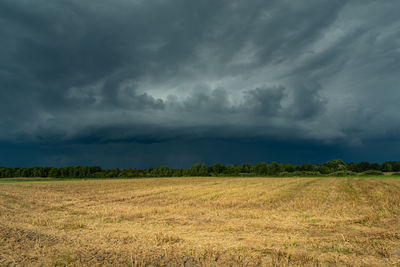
[201, 222]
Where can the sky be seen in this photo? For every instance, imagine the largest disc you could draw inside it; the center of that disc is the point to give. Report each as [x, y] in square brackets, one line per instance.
[140, 83]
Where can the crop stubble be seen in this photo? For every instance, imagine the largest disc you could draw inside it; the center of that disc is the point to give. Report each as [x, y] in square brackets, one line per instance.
[201, 222]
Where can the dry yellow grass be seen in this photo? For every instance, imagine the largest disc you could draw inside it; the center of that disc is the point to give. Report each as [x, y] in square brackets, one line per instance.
[201, 222]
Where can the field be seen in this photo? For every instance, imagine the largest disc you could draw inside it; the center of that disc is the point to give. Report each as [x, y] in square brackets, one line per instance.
[201, 222]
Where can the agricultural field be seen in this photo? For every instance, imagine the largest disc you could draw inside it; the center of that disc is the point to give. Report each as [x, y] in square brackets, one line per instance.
[201, 222]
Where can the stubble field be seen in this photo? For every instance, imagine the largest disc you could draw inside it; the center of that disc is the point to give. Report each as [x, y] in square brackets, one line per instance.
[201, 222]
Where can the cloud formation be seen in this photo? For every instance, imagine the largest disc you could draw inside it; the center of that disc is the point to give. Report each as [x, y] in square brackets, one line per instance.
[160, 70]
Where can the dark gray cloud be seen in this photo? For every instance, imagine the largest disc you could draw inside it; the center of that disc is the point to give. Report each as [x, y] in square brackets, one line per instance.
[152, 71]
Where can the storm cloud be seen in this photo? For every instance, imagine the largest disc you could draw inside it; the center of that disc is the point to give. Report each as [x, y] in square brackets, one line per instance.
[151, 72]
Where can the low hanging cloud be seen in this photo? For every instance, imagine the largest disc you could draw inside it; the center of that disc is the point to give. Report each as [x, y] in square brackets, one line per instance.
[159, 70]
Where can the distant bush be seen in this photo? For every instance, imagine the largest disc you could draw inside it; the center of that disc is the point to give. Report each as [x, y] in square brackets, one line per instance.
[312, 173]
[249, 174]
[306, 173]
[396, 174]
[285, 174]
[371, 172]
[343, 173]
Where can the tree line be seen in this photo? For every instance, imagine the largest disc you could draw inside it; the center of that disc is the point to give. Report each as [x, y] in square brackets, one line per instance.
[333, 168]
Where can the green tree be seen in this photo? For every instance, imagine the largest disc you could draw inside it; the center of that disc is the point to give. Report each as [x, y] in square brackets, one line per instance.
[261, 168]
[273, 168]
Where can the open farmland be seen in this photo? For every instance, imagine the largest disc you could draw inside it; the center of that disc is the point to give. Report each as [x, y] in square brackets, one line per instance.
[201, 222]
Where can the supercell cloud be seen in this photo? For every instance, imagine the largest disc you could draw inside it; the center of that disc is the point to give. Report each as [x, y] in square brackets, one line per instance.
[132, 78]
